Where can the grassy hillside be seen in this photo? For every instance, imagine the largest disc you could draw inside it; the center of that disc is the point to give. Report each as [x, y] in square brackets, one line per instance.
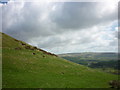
[25, 66]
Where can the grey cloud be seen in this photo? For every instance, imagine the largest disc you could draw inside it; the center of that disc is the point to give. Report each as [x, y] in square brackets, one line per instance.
[55, 25]
[118, 34]
[26, 23]
[119, 13]
[81, 15]
[53, 41]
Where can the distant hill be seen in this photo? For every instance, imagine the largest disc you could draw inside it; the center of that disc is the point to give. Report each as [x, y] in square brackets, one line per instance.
[92, 56]
[26, 66]
[104, 60]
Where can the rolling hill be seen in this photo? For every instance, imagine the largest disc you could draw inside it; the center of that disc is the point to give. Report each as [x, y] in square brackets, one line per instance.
[103, 56]
[26, 66]
[105, 61]
[93, 58]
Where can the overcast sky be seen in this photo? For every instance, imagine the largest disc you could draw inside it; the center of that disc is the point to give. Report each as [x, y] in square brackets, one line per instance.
[63, 27]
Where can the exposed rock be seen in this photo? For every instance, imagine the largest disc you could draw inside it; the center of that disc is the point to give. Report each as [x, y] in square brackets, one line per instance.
[114, 84]
[23, 44]
[27, 47]
[33, 53]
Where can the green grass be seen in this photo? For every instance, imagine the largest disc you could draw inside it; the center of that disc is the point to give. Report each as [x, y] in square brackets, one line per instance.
[21, 69]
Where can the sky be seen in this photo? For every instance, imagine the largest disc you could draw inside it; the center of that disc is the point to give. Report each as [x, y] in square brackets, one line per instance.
[63, 27]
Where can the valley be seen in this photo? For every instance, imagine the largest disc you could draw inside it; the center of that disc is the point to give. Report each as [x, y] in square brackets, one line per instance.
[107, 62]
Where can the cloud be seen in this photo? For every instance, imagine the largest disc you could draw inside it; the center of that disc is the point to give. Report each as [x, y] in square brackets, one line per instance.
[61, 27]
[25, 21]
[83, 15]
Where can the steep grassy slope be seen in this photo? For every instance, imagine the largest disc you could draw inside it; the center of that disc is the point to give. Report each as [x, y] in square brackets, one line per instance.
[23, 69]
